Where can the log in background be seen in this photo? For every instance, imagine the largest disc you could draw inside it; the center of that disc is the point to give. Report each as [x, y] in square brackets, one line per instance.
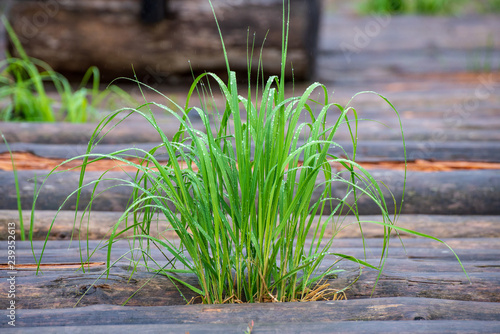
[73, 35]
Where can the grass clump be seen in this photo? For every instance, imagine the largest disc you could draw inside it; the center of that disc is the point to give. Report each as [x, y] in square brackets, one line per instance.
[239, 194]
[23, 82]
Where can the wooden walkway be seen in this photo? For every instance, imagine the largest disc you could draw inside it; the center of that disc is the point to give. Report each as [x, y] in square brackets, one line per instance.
[428, 67]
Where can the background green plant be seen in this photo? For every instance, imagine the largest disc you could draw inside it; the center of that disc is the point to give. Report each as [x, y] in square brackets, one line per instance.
[489, 6]
[483, 60]
[428, 7]
[239, 194]
[23, 82]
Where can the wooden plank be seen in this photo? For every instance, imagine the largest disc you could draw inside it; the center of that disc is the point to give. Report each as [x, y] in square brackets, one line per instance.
[439, 276]
[60, 288]
[63, 288]
[132, 130]
[137, 130]
[71, 151]
[432, 248]
[478, 192]
[114, 199]
[110, 34]
[442, 285]
[376, 150]
[368, 327]
[402, 48]
[98, 224]
[389, 309]
[440, 226]
[412, 33]
[429, 193]
[413, 247]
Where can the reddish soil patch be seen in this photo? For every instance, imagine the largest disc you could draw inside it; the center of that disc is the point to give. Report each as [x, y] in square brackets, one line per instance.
[28, 161]
[431, 166]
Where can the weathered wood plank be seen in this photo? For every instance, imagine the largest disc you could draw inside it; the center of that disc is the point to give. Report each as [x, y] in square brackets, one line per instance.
[389, 309]
[139, 131]
[440, 226]
[454, 286]
[136, 130]
[111, 35]
[58, 187]
[99, 223]
[430, 193]
[404, 45]
[417, 249]
[63, 288]
[60, 288]
[413, 246]
[478, 192]
[368, 327]
[413, 33]
[439, 276]
[375, 150]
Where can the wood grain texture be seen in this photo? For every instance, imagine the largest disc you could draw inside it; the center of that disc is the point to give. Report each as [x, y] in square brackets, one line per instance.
[369, 327]
[388, 309]
[99, 223]
[423, 269]
[436, 193]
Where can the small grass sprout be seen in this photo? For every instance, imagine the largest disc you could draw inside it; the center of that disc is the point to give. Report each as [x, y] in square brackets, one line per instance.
[483, 60]
[429, 7]
[239, 194]
[424, 7]
[23, 81]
